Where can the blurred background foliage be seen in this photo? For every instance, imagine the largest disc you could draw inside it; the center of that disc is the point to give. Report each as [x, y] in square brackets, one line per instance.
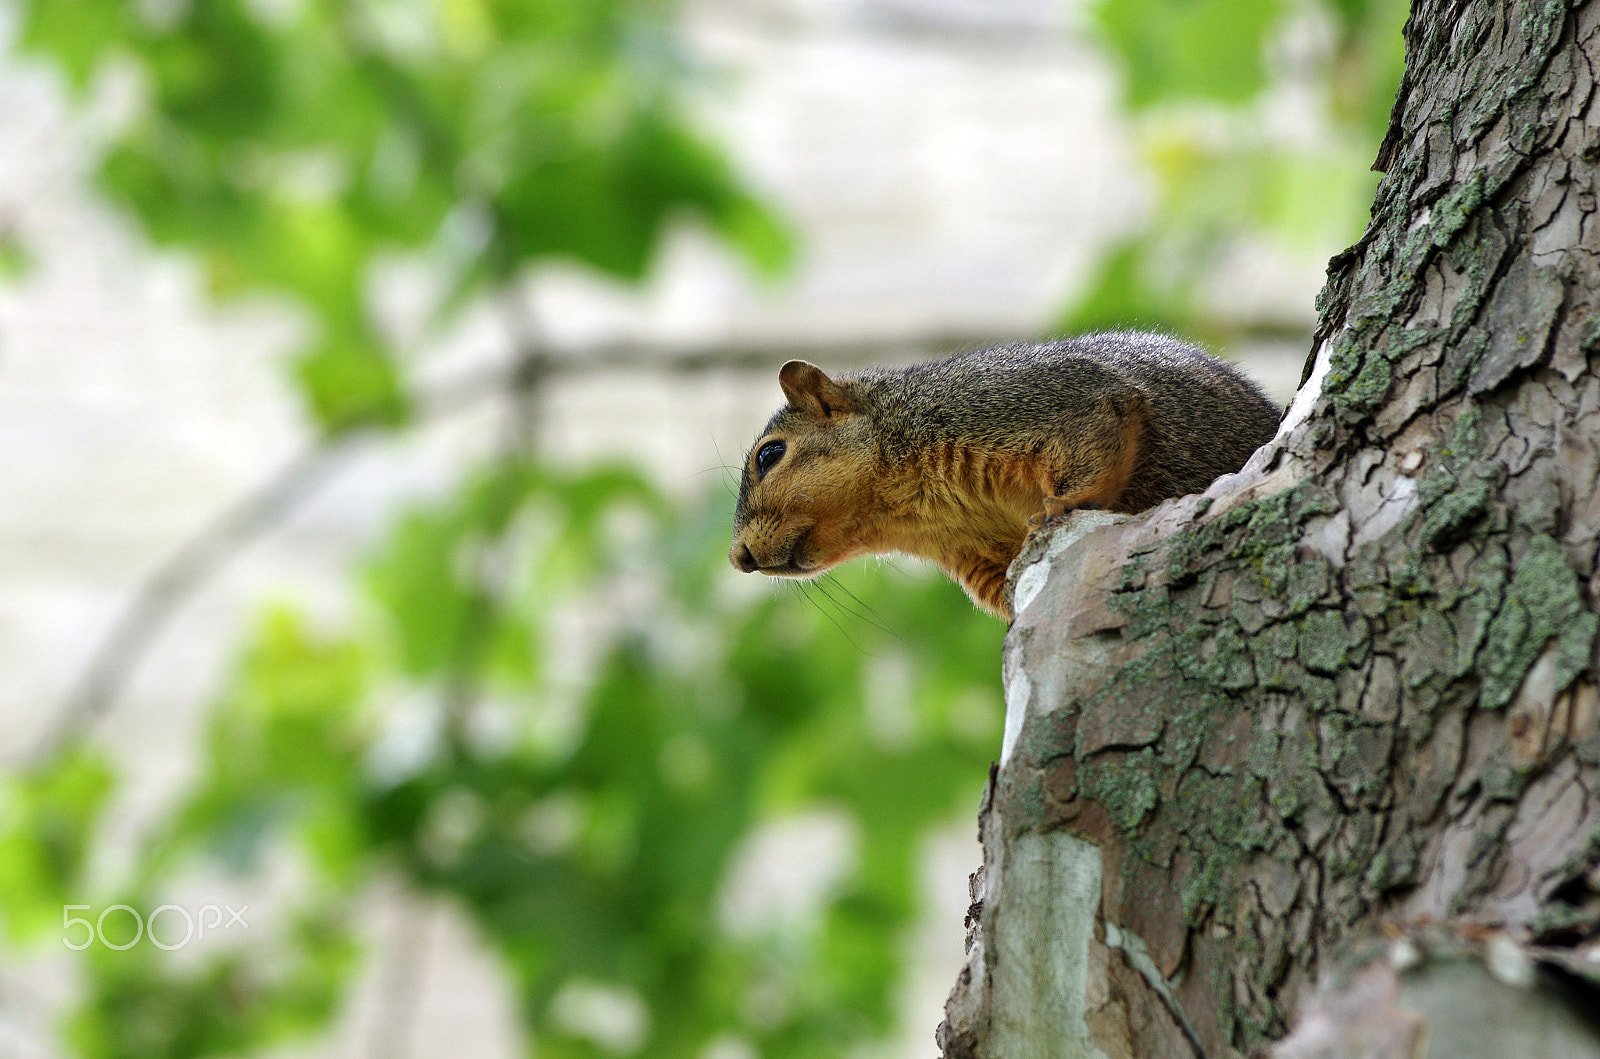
[1258, 120]
[587, 827]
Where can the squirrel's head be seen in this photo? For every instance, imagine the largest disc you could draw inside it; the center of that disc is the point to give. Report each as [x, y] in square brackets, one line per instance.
[807, 484]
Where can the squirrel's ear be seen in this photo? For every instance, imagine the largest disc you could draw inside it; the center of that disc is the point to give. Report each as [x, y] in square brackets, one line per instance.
[810, 390]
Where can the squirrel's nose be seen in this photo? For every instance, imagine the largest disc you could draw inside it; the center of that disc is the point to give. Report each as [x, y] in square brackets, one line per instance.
[742, 558]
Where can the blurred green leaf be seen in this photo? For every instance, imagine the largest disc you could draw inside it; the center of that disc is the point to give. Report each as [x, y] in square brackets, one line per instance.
[147, 1008]
[49, 819]
[351, 382]
[77, 34]
[15, 260]
[1315, 200]
[1203, 49]
[608, 205]
[283, 753]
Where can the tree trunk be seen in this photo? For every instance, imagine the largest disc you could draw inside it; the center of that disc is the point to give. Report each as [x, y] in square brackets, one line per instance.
[1349, 695]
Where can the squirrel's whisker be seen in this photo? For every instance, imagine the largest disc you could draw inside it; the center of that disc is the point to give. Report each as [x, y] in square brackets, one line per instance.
[804, 589]
[860, 611]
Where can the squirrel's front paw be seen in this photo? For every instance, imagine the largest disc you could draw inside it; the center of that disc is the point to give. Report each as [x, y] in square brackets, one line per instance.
[1055, 509]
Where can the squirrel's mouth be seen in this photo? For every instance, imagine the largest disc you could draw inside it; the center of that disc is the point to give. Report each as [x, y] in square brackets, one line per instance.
[788, 569]
[791, 564]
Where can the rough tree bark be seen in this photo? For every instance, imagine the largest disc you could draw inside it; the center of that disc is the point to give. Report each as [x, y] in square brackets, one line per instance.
[1335, 721]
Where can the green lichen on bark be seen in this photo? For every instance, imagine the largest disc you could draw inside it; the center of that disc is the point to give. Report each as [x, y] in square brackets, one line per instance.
[1262, 537]
[1542, 604]
[1449, 216]
[1394, 864]
[1433, 653]
[1452, 513]
[1285, 760]
[1125, 784]
[1589, 335]
[1456, 491]
[1223, 830]
[1364, 357]
[1222, 660]
[1326, 642]
[1358, 378]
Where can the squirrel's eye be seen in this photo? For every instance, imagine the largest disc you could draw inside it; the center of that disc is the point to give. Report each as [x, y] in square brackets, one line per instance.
[766, 456]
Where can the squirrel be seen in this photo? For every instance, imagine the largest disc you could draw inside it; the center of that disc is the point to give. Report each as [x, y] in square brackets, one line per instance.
[958, 460]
